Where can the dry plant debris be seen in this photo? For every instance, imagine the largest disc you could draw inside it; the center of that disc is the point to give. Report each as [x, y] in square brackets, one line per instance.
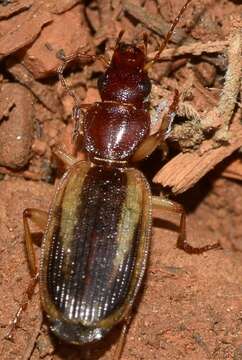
[191, 167]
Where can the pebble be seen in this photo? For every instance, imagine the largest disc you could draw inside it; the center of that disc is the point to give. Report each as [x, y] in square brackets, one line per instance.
[16, 126]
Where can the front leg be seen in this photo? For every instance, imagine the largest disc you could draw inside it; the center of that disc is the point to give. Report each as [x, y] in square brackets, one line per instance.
[158, 139]
[67, 159]
[173, 207]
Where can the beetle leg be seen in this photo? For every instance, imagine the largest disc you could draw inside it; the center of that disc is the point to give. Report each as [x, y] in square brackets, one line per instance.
[67, 159]
[160, 136]
[174, 207]
[39, 217]
[121, 341]
[84, 59]
[22, 307]
[77, 116]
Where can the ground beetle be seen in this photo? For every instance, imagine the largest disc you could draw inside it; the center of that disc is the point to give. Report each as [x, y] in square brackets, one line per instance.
[96, 241]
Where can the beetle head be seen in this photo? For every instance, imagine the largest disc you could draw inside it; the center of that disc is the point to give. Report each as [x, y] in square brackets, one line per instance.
[128, 57]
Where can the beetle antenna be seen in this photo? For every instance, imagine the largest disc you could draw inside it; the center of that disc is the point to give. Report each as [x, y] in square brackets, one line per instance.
[145, 41]
[168, 36]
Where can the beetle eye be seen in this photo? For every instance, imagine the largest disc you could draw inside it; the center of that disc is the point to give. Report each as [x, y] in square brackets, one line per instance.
[145, 87]
[101, 82]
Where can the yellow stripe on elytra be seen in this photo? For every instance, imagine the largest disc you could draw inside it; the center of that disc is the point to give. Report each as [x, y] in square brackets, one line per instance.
[130, 216]
[70, 205]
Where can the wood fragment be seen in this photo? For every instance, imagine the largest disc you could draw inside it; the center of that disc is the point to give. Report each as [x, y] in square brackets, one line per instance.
[59, 7]
[14, 8]
[106, 17]
[195, 49]
[25, 33]
[44, 94]
[16, 133]
[152, 22]
[186, 169]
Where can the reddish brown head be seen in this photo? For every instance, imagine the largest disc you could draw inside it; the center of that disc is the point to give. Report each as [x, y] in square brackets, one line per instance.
[128, 57]
[125, 80]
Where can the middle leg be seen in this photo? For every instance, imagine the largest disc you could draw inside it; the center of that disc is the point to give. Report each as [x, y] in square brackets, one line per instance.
[39, 217]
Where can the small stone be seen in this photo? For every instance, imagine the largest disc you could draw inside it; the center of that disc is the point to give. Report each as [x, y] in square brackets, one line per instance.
[39, 147]
[16, 126]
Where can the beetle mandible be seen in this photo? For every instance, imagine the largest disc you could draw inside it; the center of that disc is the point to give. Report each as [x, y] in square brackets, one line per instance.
[96, 242]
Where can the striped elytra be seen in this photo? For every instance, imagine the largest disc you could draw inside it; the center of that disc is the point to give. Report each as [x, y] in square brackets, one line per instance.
[95, 250]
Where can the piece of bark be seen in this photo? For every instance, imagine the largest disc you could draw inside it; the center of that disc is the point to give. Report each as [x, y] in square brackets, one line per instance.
[59, 7]
[67, 32]
[24, 32]
[42, 92]
[16, 131]
[14, 8]
[195, 49]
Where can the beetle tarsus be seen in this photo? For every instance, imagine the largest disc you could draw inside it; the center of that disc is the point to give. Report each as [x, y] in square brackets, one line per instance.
[22, 307]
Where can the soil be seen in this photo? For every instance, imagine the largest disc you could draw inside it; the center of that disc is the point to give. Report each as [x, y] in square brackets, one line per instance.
[190, 306]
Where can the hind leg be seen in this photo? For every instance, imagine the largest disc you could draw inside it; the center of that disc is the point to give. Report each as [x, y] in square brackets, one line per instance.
[171, 206]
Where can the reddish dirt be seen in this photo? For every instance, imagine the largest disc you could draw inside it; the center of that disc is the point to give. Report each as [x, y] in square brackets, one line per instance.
[190, 306]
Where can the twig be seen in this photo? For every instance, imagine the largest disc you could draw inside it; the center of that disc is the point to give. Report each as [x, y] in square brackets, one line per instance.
[220, 117]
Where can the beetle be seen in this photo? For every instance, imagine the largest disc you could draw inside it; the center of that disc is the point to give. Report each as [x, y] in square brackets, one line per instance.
[97, 232]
